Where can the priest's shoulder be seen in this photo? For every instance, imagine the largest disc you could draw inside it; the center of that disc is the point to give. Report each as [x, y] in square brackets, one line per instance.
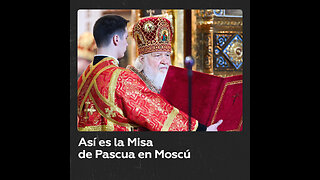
[128, 73]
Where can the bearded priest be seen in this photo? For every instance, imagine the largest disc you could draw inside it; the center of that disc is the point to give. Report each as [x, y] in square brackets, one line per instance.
[111, 98]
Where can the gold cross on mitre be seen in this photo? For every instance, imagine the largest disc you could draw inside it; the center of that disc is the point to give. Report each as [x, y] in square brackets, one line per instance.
[150, 11]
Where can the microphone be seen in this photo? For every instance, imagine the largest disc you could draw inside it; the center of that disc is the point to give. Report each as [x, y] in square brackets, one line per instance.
[189, 62]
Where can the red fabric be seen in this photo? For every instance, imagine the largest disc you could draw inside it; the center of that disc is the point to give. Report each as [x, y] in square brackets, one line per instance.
[111, 98]
[213, 97]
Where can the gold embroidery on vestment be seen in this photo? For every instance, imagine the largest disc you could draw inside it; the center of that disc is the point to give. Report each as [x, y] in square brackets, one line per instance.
[109, 112]
[108, 127]
[84, 77]
[87, 109]
[109, 118]
[107, 102]
[89, 88]
[169, 120]
[112, 85]
[196, 126]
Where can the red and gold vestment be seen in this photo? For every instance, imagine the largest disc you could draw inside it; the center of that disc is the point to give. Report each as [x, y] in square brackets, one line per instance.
[111, 98]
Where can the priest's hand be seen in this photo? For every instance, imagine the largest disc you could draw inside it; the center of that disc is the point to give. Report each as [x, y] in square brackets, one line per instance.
[214, 127]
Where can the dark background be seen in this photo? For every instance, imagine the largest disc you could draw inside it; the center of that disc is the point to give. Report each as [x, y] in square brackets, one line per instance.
[40, 138]
[214, 155]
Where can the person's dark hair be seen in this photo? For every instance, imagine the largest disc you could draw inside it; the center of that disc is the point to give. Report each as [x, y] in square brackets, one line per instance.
[106, 27]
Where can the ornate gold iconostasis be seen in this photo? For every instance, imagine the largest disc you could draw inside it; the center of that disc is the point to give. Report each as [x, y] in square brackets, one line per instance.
[213, 37]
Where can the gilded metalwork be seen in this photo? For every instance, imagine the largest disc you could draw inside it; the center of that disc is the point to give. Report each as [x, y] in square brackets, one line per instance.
[233, 51]
[208, 61]
[178, 53]
[217, 41]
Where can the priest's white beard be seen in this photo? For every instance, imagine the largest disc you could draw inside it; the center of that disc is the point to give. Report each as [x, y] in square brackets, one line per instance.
[156, 78]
